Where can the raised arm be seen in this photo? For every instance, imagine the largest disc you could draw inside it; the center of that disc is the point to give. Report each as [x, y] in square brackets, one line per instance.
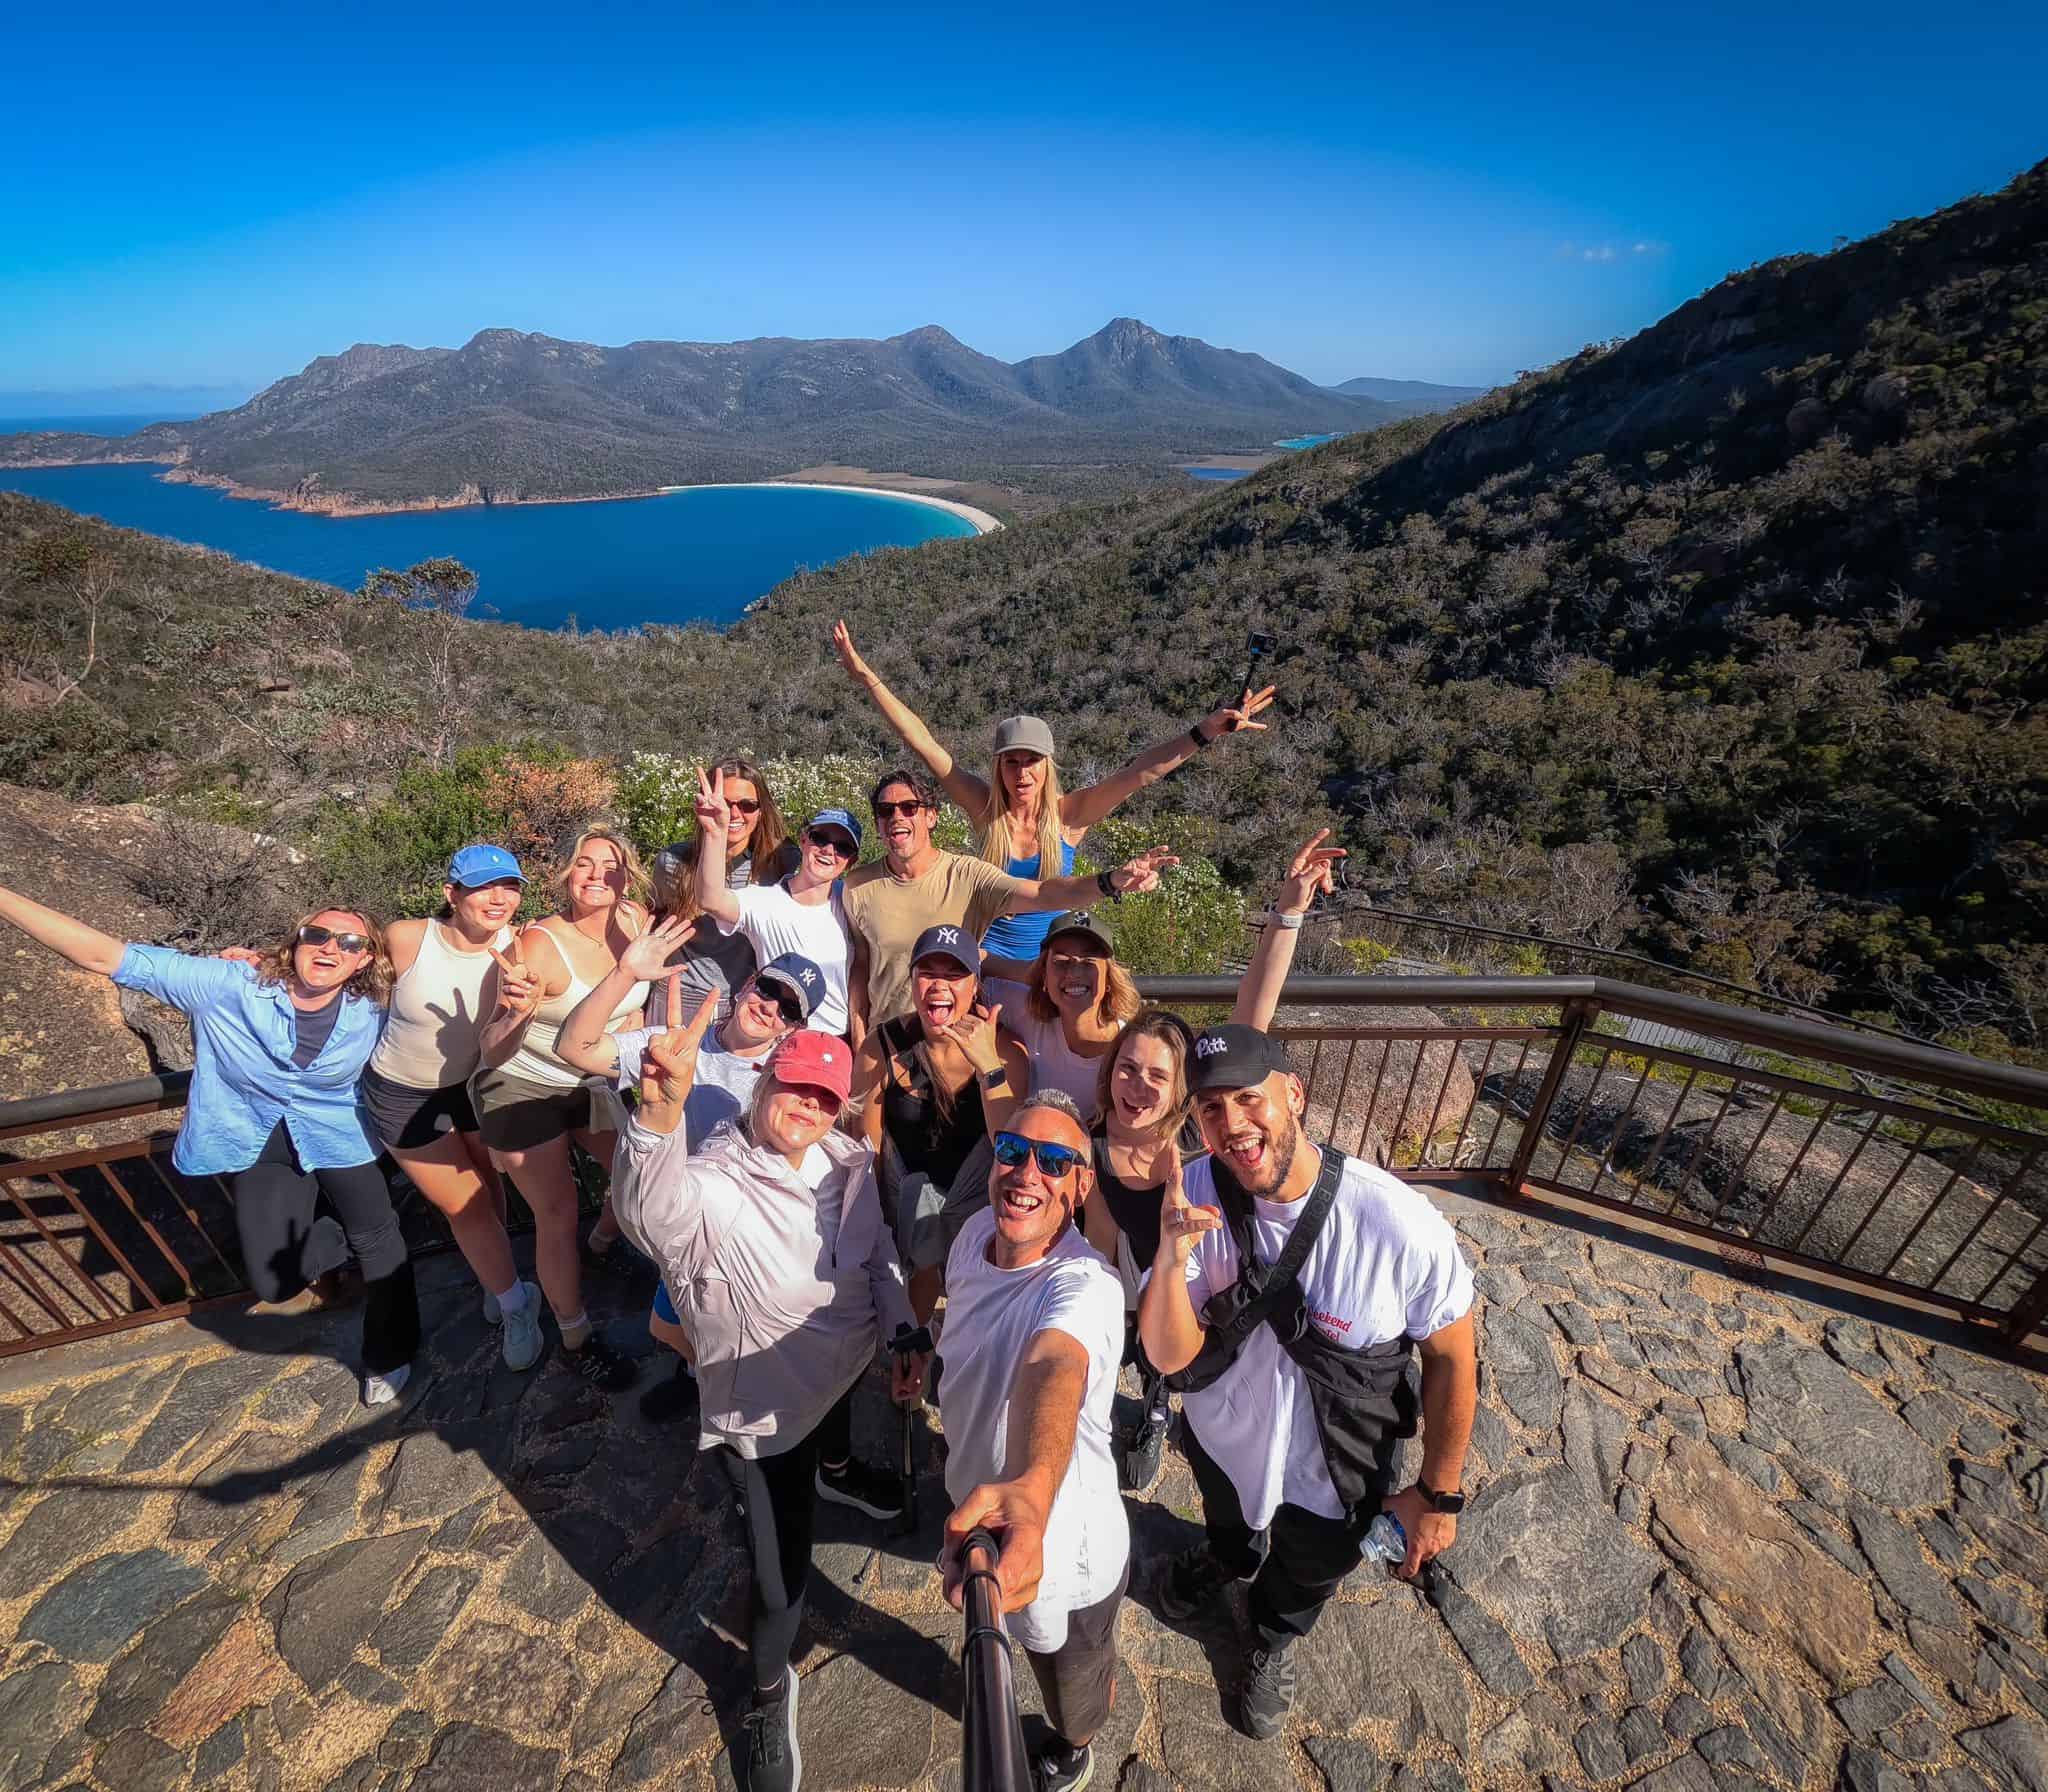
[970, 792]
[1311, 871]
[1167, 1321]
[86, 947]
[1045, 1411]
[990, 1049]
[1084, 889]
[582, 1042]
[1082, 809]
[714, 816]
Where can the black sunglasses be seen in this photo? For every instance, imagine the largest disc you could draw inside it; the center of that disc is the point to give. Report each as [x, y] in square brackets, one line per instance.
[309, 935]
[785, 1004]
[1053, 1160]
[743, 805]
[838, 843]
[883, 811]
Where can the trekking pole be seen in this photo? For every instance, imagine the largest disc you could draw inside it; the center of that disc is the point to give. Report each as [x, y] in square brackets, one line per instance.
[907, 1343]
[992, 1757]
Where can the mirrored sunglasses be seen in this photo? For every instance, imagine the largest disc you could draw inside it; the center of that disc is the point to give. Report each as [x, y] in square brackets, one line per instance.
[310, 935]
[1054, 1161]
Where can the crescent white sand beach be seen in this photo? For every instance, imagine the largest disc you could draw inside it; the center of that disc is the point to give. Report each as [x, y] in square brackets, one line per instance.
[982, 521]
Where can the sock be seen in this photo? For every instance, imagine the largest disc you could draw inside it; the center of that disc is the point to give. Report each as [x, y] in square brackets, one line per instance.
[513, 1300]
[575, 1332]
[834, 1468]
[772, 1695]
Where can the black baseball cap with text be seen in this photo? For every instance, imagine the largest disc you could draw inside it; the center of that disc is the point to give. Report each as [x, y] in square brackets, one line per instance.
[1234, 1057]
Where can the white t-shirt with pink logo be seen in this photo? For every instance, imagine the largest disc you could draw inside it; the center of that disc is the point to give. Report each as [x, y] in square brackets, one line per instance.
[1386, 1265]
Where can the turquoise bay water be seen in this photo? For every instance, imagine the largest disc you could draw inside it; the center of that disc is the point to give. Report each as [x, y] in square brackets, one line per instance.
[700, 555]
[1308, 441]
[1216, 472]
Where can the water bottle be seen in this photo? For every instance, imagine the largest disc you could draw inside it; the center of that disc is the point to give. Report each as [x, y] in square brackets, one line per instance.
[1386, 1540]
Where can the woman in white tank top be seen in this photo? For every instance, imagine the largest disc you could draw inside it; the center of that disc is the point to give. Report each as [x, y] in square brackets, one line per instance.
[1074, 1007]
[415, 1089]
[529, 1104]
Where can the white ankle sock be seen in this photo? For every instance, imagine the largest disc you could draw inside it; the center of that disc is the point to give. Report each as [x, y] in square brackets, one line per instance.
[577, 1329]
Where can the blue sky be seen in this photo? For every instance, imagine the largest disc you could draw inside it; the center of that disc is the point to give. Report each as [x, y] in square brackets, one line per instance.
[209, 197]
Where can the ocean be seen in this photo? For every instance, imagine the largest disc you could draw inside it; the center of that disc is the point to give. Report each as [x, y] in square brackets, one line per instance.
[699, 555]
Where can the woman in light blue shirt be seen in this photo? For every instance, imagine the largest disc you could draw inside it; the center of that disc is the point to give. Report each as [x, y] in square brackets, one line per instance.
[277, 1048]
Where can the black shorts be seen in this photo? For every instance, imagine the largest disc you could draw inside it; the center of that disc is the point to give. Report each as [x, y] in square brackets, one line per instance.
[403, 1118]
[1078, 1679]
[515, 1113]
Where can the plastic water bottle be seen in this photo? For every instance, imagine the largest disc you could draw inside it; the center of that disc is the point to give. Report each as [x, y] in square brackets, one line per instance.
[1386, 1540]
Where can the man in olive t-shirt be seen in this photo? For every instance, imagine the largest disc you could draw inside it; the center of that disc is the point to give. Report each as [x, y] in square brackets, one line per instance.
[917, 885]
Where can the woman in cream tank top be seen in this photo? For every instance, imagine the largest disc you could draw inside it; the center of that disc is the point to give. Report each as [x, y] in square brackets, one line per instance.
[415, 1089]
[530, 1105]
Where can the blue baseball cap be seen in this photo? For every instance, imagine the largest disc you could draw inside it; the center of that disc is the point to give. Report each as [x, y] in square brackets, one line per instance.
[797, 974]
[475, 866]
[837, 818]
[948, 941]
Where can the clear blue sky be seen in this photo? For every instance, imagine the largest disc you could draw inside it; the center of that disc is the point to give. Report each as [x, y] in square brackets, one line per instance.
[204, 196]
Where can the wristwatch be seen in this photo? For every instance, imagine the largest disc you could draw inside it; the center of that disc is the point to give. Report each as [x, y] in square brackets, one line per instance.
[1450, 1504]
[995, 1078]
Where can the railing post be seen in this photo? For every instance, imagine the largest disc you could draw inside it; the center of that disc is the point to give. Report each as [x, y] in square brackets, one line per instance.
[1573, 1020]
[2030, 1311]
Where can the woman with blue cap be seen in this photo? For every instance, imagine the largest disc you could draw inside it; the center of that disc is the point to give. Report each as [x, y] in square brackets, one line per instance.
[415, 1089]
[1024, 822]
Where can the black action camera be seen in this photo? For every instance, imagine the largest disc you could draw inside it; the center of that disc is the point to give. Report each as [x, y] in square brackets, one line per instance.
[1257, 647]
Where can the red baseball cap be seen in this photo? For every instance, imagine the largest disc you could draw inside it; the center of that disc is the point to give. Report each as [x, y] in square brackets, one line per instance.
[821, 1059]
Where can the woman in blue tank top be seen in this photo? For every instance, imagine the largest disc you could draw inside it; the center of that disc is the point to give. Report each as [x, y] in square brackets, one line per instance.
[1022, 818]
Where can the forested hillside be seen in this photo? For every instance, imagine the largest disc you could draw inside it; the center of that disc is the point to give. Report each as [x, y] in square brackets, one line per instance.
[1726, 642]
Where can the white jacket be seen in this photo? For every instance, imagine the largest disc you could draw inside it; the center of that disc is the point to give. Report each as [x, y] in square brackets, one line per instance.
[782, 1320]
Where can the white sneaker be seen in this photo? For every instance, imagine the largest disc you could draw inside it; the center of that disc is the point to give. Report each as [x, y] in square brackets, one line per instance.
[522, 1341]
[381, 1390]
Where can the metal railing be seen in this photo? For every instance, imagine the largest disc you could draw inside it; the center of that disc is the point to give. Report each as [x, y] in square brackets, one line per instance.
[1898, 1167]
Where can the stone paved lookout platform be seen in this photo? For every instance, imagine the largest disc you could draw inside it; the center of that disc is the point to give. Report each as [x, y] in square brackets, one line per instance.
[1725, 1537]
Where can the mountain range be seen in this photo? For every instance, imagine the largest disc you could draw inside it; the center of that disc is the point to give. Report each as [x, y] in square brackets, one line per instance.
[512, 415]
[1415, 398]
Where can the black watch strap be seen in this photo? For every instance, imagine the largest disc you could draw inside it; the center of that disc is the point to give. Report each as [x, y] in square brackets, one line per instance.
[996, 1078]
[1448, 1503]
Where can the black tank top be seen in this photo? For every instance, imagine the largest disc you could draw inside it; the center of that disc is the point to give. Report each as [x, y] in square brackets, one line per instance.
[1136, 1210]
[924, 1139]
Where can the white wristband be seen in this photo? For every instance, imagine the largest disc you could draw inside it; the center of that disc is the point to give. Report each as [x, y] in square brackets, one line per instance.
[1291, 923]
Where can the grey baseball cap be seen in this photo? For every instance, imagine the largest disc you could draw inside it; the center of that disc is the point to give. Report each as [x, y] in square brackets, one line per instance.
[1024, 734]
[1079, 920]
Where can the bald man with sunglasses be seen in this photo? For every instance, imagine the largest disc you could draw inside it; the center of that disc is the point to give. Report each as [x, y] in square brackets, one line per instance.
[1033, 1339]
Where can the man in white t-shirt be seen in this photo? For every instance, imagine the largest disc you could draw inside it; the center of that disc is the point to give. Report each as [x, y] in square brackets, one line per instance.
[1292, 1477]
[1032, 1342]
[803, 913]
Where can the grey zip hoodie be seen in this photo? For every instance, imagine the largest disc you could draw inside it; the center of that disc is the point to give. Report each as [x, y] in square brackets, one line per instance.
[783, 1319]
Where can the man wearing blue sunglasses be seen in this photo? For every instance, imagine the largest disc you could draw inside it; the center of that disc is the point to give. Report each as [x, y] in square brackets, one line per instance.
[1032, 1343]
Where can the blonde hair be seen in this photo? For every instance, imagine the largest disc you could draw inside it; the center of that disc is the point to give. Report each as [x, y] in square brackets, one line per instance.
[615, 837]
[372, 983]
[995, 820]
[675, 874]
[1119, 1000]
[1172, 1032]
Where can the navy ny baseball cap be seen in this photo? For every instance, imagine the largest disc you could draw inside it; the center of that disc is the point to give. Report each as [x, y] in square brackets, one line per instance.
[948, 941]
[475, 866]
[797, 974]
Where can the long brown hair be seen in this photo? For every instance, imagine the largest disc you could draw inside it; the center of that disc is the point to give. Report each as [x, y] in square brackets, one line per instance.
[372, 983]
[1119, 1000]
[675, 867]
[1173, 1033]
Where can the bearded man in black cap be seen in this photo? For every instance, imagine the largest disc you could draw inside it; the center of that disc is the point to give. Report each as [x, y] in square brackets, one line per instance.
[1291, 1285]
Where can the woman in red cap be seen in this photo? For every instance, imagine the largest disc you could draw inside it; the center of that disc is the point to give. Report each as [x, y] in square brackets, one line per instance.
[1024, 821]
[771, 1243]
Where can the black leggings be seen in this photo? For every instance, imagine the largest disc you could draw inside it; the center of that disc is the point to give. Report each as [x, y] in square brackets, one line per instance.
[782, 1497]
[285, 1244]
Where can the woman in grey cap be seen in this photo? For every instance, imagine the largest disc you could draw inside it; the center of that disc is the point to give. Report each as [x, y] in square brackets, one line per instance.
[1025, 822]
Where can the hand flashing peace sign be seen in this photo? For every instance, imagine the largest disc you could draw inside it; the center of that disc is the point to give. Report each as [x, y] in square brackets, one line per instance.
[519, 990]
[1311, 873]
[1181, 1222]
[669, 1069]
[849, 655]
[1142, 873]
[714, 813]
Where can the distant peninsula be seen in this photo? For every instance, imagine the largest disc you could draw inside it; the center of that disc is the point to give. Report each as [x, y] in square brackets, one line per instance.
[512, 418]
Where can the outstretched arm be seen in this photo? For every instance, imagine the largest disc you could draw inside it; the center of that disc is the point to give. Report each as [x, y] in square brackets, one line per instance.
[1311, 872]
[1132, 878]
[583, 1043]
[86, 947]
[1045, 1410]
[714, 815]
[1082, 809]
[970, 792]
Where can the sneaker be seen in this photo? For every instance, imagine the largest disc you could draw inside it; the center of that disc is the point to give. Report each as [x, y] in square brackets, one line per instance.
[1267, 1694]
[1143, 1452]
[774, 1763]
[381, 1390]
[1058, 1768]
[610, 1371]
[494, 1314]
[672, 1398]
[856, 1485]
[1191, 1582]
[522, 1342]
